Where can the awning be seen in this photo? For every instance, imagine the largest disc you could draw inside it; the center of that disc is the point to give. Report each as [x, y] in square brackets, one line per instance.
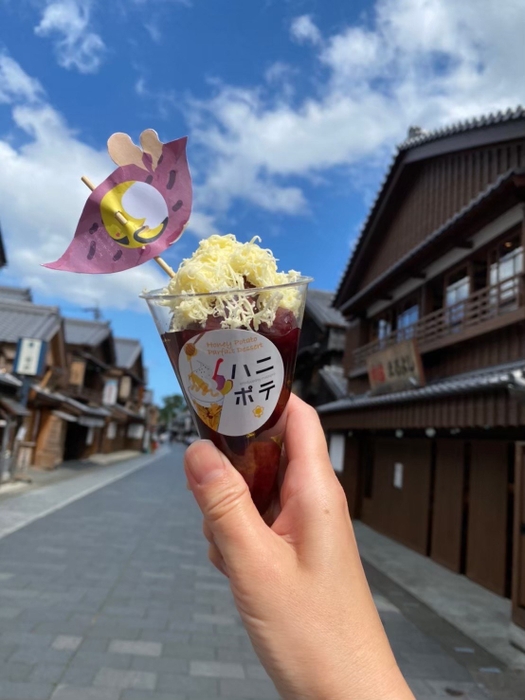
[85, 409]
[10, 379]
[47, 396]
[65, 416]
[13, 407]
[82, 408]
[507, 376]
[128, 413]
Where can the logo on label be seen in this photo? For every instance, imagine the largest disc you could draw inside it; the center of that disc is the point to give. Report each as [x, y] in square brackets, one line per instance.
[233, 379]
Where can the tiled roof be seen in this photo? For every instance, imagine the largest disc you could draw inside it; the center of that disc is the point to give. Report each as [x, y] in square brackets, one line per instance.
[487, 379]
[15, 293]
[460, 127]
[424, 137]
[319, 306]
[90, 333]
[21, 319]
[334, 379]
[127, 351]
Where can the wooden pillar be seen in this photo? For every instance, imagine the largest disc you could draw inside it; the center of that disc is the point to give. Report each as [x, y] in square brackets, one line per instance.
[518, 560]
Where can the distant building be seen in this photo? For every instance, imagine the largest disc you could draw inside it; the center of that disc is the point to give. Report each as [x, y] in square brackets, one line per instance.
[22, 319]
[130, 374]
[430, 435]
[87, 395]
[319, 374]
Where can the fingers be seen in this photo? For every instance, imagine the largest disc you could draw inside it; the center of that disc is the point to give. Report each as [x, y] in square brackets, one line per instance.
[305, 444]
[216, 559]
[232, 520]
[304, 437]
[206, 531]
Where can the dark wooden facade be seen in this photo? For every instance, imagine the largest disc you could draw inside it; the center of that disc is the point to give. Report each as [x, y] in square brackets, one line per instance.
[433, 192]
[318, 373]
[440, 262]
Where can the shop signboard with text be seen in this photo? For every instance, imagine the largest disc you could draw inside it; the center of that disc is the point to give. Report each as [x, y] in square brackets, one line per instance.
[396, 368]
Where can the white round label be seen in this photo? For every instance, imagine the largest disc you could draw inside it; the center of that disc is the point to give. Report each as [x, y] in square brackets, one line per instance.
[233, 379]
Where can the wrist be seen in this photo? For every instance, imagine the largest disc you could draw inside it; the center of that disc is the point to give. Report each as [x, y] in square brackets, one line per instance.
[375, 681]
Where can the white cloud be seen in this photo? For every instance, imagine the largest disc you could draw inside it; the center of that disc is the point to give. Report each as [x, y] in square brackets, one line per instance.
[202, 225]
[15, 83]
[426, 62]
[304, 31]
[159, 102]
[153, 30]
[76, 46]
[41, 198]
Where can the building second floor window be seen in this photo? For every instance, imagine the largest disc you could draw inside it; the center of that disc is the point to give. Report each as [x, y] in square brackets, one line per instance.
[382, 328]
[457, 291]
[506, 263]
[406, 319]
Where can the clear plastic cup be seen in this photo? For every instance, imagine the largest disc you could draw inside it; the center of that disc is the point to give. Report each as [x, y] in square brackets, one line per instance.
[237, 381]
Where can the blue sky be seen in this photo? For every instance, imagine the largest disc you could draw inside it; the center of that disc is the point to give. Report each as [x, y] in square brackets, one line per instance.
[293, 109]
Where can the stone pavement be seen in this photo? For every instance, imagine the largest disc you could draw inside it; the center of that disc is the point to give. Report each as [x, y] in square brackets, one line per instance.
[111, 597]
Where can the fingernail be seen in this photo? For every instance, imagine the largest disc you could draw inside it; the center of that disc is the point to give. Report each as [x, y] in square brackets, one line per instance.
[205, 467]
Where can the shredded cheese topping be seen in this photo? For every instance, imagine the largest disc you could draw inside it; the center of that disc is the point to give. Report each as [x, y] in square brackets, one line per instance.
[223, 264]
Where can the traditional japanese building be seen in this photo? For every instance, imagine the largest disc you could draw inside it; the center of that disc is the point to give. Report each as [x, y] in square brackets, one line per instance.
[430, 437]
[129, 410]
[29, 418]
[91, 354]
[319, 376]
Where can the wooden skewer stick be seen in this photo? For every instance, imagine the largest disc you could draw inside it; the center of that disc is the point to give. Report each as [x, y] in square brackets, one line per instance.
[122, 220]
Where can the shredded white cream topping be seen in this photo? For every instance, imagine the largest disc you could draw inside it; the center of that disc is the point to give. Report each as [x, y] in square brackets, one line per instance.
[223, 264]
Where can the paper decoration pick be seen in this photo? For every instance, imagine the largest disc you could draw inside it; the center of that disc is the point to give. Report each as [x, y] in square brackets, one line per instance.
[137, 212]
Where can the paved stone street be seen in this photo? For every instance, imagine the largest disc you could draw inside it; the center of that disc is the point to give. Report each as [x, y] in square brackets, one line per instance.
[111, 598]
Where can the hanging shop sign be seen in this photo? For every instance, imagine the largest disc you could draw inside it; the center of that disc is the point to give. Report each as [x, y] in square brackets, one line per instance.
[396, 368]
[109, 397]
[30, 357]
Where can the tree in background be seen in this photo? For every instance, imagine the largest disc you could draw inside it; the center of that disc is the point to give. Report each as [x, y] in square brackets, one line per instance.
[171, 406]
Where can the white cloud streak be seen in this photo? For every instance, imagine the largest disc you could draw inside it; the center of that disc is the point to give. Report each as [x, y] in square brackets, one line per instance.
[425, 62]
[15, 83]
[76, 46]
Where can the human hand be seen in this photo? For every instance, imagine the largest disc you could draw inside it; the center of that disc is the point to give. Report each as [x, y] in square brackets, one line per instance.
[298, 585]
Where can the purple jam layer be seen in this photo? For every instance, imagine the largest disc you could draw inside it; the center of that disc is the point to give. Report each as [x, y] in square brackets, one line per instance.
[256, 456]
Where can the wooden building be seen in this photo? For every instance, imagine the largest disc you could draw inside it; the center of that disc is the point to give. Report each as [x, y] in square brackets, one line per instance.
[431, 435]
[87, 397]
[130, 373]
[319, 376]
[20, 318]
[91, 353]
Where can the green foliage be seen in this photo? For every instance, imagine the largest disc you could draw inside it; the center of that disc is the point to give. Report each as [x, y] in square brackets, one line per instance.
[171, 406]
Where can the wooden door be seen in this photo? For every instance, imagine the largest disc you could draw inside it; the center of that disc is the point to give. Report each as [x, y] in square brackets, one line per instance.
[518, 567]
[447, 511]
[487, 517]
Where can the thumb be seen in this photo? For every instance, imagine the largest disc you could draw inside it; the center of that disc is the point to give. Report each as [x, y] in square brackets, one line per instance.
[224, 499]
